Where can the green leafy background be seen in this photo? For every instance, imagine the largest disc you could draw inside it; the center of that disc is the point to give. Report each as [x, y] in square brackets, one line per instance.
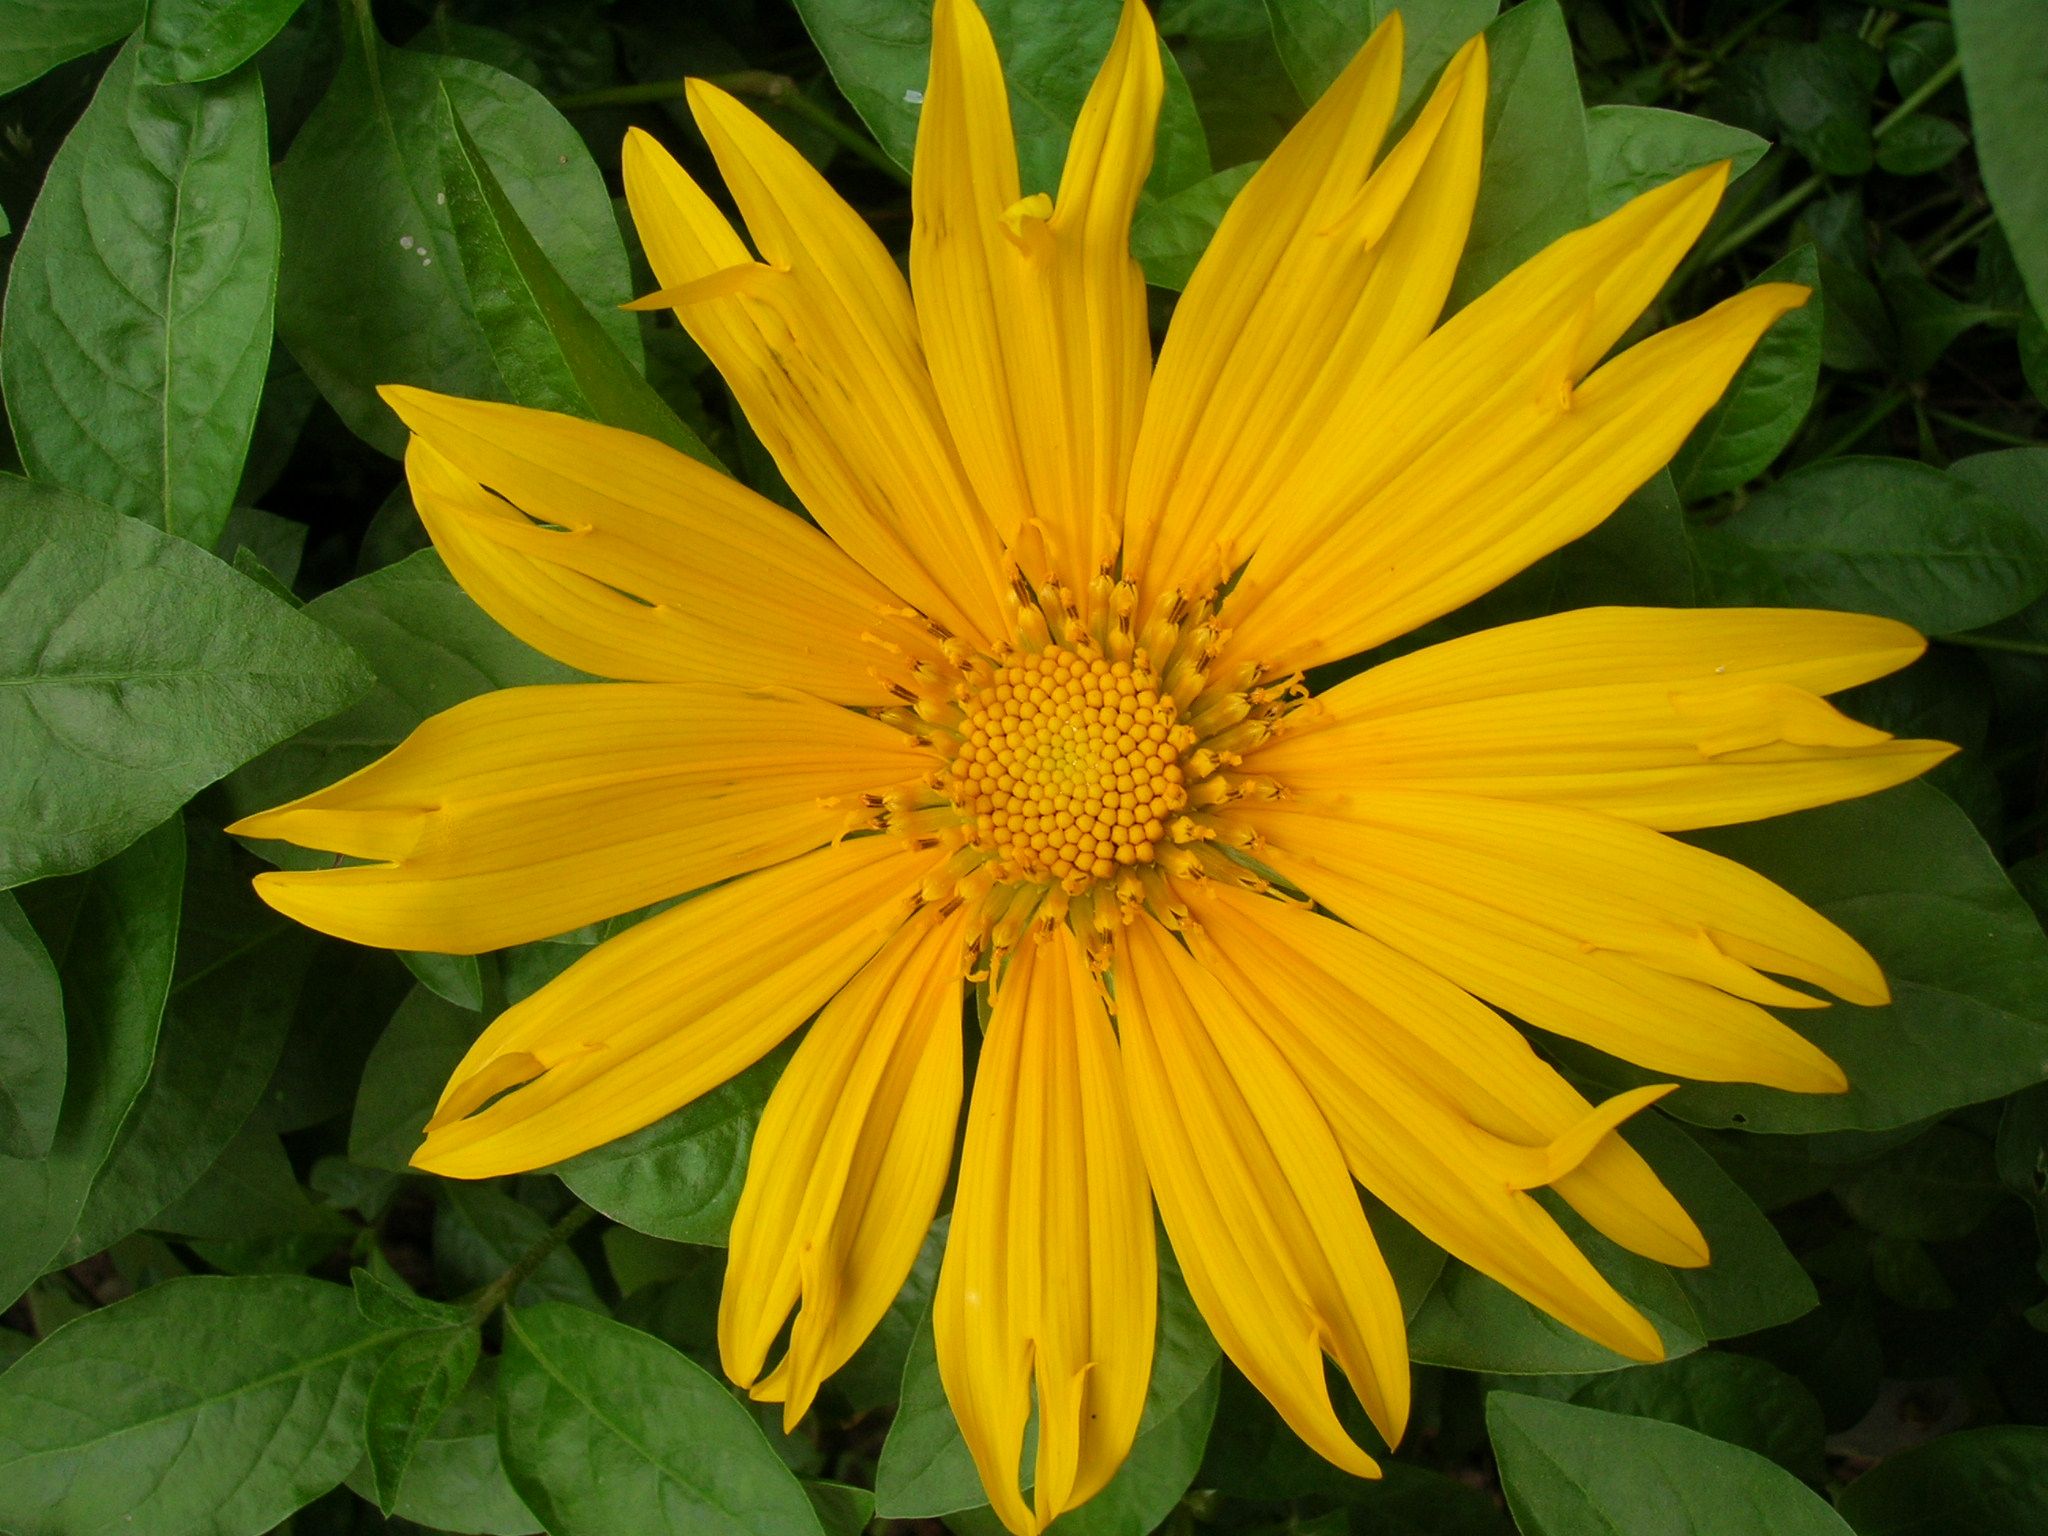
[229, 1307]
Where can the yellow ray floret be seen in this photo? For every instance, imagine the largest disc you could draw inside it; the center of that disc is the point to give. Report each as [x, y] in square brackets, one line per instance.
[853, 1152]
[1672, 718]
[667, 1011]
[1048, 1293]
[530, 811]
[1254, 1194]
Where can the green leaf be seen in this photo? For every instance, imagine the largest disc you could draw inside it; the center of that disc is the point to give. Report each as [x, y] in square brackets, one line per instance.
[112, 934]
[1766, 404]
[36, 35]
[1936, 1188]
[412, 1389]
[480, 1232]
[1629, 150]
[239, 972]
[2004, 47]
[1908, 876]
[187, 40]
[1532, 181]
[134, 670]
[1736, 1398]
[604, 1429]
[251, 1192]
[879, 52]
[1820, 93]
[205, 1406]
[137, 325]
[926, 1469]
[1568, 1471]
[1919, 145]
[430, 646]
[31, 1038]
[1887, 536]
[371, 290]
[842, 1509]
[1968, 1484]
[403, 1078]
[457, 1481]
[1168, 236]
[680, 1177]
[552, 354]
[1317, 38]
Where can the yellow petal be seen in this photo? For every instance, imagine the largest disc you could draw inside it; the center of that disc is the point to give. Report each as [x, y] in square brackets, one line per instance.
[1673, 718]
[668, 1010]
[847, 1168]
[1257, 1200]
[1583, 924]
[1319, 281]
[1530, 467]
[1034, 316]
[1050, 1283]
[622, 557]
[1385, 1017]
[820, 348]
[1410, 1149]
[531, 811]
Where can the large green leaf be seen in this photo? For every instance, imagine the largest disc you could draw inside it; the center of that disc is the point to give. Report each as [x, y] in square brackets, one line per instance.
[31, 1037]
[1632, 149]
[185, 40]
[1870, 535]
[1532, 182]
[1169, 235]
[1317, 38]
[550, 350]
[1974, 1483]
[371, 291]
[1569, 1471]
[38, 35]
[1737, 1398]
[456, 1478]
[879, 52]
[605, 1429]
[112, 934]
[413, 1388]
[1767, 403]
[1907, 875]
[205, 1406]
[2004, 48]
[137, 325]
[680, 1177]
[135, 669]
[926, 1469]
[239, 972]
[430, 646]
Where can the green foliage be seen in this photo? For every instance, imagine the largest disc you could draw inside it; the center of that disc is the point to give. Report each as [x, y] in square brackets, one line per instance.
[232, 1306]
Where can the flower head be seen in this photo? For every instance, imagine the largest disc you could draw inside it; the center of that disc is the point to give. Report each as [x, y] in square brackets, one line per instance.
[1026, 709]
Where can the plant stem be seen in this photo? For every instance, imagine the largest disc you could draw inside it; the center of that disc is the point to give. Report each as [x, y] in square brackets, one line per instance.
[1997, 643]
[776, 90]
[495, 1295]
[1966, 236]
[1978, 429]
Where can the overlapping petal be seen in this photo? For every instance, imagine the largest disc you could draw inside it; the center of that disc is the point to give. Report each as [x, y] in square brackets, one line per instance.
[1255, 1197]
[1324, 274]
[1672, 718]
[818, 342]
[1032, 310]
[668, 1010]
[625, 558]
[847, 1168]
[531, 811]
[1048, 1294]
[1594, 927]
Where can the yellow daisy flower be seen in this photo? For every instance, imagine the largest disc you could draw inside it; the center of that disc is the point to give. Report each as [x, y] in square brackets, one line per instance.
[1030, 711]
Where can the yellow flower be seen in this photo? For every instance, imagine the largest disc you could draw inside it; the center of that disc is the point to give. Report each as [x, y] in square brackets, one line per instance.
[1030, 710]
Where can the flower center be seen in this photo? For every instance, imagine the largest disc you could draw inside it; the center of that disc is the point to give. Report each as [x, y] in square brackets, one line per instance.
[1069, 765]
